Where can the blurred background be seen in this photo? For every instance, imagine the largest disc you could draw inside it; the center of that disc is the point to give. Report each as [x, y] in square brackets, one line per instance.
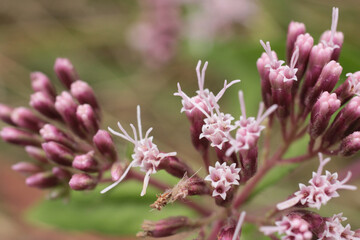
[134, 52]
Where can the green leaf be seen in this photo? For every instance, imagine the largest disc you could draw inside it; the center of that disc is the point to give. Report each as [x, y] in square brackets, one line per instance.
[120, 212]
[250, 231]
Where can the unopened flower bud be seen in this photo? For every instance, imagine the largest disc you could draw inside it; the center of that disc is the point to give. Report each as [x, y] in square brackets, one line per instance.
[25, 118]
[343, 122]
[5, 114]
[350, 145]
[294, 30]
[42, 180]
[249, 162]
[305, 43]
[232, 230]
[324, 108]
[104, 143]
[26, 168]
[51, 133]
[117, 170]
[84, 94]
[44, 104]
[319, 56]
[82, 181]
[19, 137]
[195, 130]
[66, 106]
[65, 71]
[86, 162]
[36, 153]
[174, 166]
[41, 83]
[87, 119]
[166, 227]
[61, 173]
[58, 153]
[328, 78]
[349, 88]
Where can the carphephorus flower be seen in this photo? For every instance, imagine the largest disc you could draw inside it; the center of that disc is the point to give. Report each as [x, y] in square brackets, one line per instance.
[146, 154]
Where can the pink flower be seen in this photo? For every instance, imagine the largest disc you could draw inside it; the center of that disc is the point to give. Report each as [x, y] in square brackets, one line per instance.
[291, 227]
[146, 154]
[322, 188]
[222, 177]
[334, 230]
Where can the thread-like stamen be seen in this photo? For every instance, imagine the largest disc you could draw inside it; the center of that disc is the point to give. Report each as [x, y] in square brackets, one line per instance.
[261, 110]
[294, 58]
[134, 132]
[124, 132]
[120, 179]
[334, 22]
[226, 86]
[267, 49]
[139, 121]
[148, 132]
[242, 104]
[267, 113]
[238, 225]
[289, 203]
[121, 135]
[203, 75]
[323, 162]
[146, 182]
[201, 86]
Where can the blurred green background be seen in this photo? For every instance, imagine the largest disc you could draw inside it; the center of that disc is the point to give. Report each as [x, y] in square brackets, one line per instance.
[93, 35]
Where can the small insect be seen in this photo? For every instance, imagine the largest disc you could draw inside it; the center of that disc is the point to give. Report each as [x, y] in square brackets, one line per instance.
[179, 191]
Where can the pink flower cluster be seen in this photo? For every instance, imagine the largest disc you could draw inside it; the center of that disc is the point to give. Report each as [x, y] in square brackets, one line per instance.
[222, 177]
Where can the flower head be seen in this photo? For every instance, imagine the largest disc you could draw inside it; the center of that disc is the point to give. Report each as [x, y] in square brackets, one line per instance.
[146, 154]
[222, 177]
[334, 230]
[322, 188]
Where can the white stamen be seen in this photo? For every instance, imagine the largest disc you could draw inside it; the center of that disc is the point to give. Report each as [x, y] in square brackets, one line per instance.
[121, 135]
[226, 86]
[323, 162]
[267, 113]
[125, 133]
[148, 132]
[134, 132]
[201, 86]
[294, 58]
[267, 49]
[139, 121]
[146, 182]
[334, 22]
[242, 104]
[289, 203]
[238, 225]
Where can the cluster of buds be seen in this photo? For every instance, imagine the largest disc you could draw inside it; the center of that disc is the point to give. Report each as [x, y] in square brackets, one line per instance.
[305, 224]
[61, 133]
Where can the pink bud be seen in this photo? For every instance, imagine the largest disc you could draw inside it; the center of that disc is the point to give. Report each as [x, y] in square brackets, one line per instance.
[350, 145]
[263, 61]
[65, 71]
[20, 137]
[305, 43]
[58, 153]
[174, 166]
[82, 181]
[87, 119]
[104, 143]
[86, 162]
[51, 133]
[36, 153]
[342, 122]
[61, 173]
[165, 227]
[5, 114]
[44, 104]
[294, 30]
[66, 106]
[327, 80]
[84, 94]
[26, 168]
[249, 162]
[319, 56]
[25, 118]
[324, 108]
[42, 180]
[117, 170]
[349, 88]
[41, 83]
